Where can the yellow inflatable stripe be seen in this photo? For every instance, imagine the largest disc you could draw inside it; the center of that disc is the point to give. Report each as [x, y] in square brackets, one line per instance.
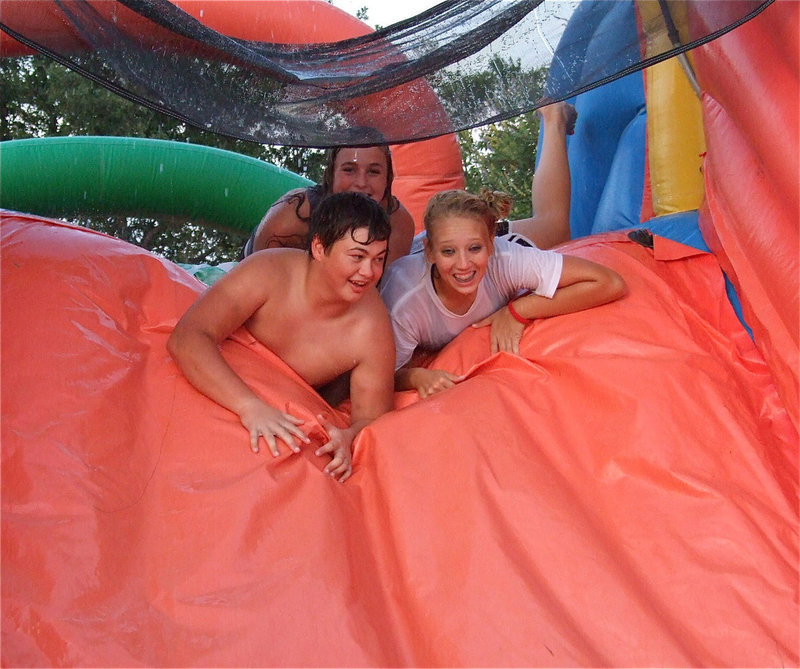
[675, 137]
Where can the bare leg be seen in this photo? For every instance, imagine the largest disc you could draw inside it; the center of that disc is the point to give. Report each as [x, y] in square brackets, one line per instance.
[551, 187]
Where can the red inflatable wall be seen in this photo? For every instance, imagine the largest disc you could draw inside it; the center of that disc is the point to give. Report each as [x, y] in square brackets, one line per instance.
[751, 217]
[624, 493]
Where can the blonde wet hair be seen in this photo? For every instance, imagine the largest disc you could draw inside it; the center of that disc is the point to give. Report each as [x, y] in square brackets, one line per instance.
[488, 206]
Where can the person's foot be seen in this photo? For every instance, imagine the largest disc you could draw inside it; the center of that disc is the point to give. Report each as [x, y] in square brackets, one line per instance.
[560, 113]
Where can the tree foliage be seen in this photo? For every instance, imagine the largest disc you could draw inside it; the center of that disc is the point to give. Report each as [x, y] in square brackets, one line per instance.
[40, 98]
[500, 155]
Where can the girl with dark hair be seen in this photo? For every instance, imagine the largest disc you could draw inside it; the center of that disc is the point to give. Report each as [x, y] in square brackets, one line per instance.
[366, 170]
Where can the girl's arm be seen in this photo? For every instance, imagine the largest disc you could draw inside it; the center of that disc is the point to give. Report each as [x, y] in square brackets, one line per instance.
[281, 227]
[583, 284]
[425, 381]
[402, 235]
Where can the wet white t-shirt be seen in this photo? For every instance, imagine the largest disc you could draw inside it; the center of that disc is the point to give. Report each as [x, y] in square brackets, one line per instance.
[419, 319]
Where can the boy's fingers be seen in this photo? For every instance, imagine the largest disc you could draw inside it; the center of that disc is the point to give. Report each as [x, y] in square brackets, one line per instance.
[325, 448]
[337, 467]
[273, 446]
[293, 419]
[326, 424]
[302, 436]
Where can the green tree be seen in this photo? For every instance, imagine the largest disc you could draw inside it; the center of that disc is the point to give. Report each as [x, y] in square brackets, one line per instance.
[502, 156]
[41, 98]
[362, 14]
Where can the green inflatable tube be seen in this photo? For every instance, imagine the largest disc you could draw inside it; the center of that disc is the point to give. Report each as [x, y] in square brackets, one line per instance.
[65, 176]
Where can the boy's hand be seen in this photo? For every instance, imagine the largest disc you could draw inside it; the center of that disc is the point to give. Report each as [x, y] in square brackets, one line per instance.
[338, 446]
[262, 420]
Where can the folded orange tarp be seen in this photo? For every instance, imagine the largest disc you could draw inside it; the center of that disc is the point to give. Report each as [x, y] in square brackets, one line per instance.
[752, 192]
[624, 493]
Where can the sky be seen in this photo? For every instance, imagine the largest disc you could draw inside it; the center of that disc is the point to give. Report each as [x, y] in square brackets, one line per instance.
[386, 12]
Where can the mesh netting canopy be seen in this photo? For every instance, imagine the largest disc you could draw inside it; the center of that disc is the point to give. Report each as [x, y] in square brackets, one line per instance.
[461, 64]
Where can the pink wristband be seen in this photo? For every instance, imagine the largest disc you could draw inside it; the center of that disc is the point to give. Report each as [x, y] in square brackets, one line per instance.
[516, 314]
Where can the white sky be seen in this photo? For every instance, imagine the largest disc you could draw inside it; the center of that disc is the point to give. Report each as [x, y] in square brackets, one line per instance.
[386, 12]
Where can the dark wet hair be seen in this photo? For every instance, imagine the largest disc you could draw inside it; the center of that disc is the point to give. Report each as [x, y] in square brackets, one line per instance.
[342, 213]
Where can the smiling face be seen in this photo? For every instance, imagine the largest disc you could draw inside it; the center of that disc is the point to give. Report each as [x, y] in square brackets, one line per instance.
[460, 248]
[352, 264]
[362, 170]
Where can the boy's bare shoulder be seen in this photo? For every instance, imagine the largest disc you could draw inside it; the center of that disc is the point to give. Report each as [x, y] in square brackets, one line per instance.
[373, 303]
[268, 266]
[371, 339]
[268, 260]
[373, 321]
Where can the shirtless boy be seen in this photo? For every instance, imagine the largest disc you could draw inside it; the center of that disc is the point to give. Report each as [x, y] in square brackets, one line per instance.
[319, 311]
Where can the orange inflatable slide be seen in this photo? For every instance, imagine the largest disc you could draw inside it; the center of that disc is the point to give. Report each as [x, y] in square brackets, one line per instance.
[623, 493]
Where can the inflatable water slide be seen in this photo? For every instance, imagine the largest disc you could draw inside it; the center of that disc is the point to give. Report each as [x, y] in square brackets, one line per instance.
[622, 493]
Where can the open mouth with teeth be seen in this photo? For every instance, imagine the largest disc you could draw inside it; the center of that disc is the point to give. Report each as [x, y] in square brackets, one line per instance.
[464, 278]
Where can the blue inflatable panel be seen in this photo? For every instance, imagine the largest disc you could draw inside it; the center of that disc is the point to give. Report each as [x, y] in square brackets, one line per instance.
[620, 204]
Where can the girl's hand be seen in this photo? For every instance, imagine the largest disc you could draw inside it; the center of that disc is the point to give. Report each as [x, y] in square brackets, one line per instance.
[428, 382]
[506, 331]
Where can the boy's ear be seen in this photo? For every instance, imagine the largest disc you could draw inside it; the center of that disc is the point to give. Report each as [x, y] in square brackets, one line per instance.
[317, 249]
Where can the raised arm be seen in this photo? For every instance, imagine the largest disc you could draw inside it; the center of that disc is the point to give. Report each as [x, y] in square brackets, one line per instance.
[194, 345]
